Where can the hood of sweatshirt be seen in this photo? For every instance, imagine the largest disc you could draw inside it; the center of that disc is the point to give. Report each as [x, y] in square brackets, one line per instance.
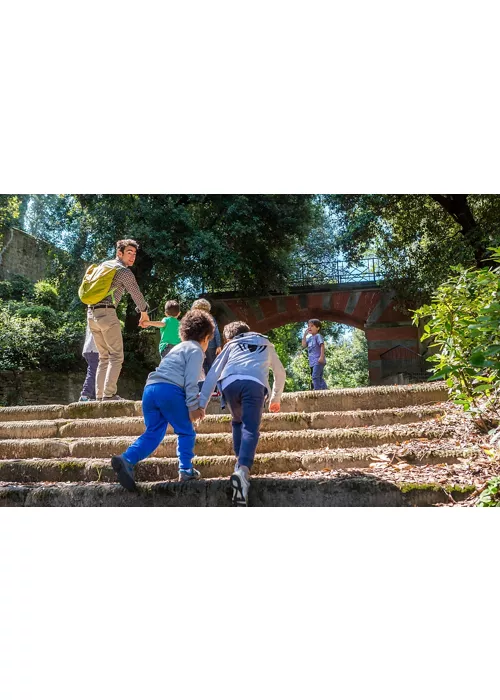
[248, 354]
[249, 339]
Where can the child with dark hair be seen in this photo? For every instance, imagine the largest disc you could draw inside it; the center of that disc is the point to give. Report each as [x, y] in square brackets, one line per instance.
[242, 369]
[215, 345]
[171, 397]
[169, 327]
[313, 341]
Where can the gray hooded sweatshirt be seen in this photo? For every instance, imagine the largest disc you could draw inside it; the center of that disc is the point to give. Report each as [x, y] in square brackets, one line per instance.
[248, 354]
[182, 367]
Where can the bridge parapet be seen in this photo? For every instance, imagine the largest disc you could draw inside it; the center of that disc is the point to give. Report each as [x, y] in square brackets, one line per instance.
[319, 273]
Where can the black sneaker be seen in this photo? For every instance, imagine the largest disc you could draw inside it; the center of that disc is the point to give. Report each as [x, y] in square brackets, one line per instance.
[124, 472]
[112, 398]
[189, 476]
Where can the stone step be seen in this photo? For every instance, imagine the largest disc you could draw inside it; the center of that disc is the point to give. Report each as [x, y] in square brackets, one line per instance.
[221, 443]
[318, 491]
[134, 426]
[363, 398]
[159, 469]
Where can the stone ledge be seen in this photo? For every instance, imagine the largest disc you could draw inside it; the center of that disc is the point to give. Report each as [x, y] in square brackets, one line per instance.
[162, 468]
[362, 398]
[359, 491]
[219, 444]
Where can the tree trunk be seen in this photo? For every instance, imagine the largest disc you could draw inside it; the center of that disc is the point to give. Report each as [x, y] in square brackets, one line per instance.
[457, 206]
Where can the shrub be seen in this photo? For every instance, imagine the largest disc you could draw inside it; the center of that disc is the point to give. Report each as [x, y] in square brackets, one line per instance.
[5, 289]
[27, 341]
[20, 288]
[490, 497]
[44, 313]
[463, 320]
[46, 294]
[19, 342]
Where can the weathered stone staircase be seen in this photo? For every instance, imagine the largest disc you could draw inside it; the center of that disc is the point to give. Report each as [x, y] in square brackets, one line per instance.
[316, 452]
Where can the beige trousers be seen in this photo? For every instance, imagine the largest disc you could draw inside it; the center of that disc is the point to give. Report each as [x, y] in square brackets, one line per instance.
[107, 333]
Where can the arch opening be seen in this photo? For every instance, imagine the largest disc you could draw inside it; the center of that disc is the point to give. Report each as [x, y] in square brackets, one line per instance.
[346, 354]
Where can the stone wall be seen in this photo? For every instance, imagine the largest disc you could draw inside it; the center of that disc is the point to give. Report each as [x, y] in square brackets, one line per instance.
[22, 254]
[36, 387]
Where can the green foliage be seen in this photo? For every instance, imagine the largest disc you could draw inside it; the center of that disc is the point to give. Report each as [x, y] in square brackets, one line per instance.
[347, 361]
[5, 289]
[46, 294]
[10, 205]
[19, 342]
[36, 337]
[45, 216]
[140, 351]
[463, 320]
[45, 314]
[346, 356]
[18, 288]
[490, 497]
[416, 237]
[209, 239]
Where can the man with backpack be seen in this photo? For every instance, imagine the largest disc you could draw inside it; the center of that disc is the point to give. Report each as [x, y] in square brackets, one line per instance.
[102, 289]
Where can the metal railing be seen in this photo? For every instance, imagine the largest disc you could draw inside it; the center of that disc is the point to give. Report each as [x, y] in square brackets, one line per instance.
[336, 272]
[316, 273]
[401, 359]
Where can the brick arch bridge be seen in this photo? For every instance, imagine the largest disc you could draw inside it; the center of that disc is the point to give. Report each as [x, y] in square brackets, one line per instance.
[364, 306]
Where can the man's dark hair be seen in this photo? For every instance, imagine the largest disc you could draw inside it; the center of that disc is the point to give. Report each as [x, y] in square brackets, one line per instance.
[316, 322]
[196, 325]
[121, 245]
[172, 308]
[235, 328]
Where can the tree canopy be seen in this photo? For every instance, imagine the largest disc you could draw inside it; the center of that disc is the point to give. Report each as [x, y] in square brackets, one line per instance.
[252, 242]
[417, 236]
[245, 238]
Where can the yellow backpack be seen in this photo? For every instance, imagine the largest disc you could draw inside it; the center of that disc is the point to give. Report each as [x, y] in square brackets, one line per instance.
[96, 284]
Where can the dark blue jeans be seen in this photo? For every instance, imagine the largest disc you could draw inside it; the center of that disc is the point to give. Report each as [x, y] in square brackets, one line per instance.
[317, 377]
[162, 404]
[88, 388]
[245, 399]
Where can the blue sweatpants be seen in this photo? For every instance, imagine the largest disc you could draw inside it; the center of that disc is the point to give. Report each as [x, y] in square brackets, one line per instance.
[245, 399]
[163, 404]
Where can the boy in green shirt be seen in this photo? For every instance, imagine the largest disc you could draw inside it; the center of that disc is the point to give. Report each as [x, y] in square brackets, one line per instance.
[169, 327]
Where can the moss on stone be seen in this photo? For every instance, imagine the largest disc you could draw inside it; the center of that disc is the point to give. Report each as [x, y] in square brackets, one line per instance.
[461, 488]
[408, 487]
[294, 417]
[63, 466]
[203, 461]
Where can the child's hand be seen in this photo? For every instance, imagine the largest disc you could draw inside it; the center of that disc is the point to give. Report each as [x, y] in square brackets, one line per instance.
[275, 408]
[196, 415]
[143, 324]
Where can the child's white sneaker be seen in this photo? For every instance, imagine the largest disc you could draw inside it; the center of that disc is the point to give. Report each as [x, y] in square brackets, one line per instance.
[240, 483]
